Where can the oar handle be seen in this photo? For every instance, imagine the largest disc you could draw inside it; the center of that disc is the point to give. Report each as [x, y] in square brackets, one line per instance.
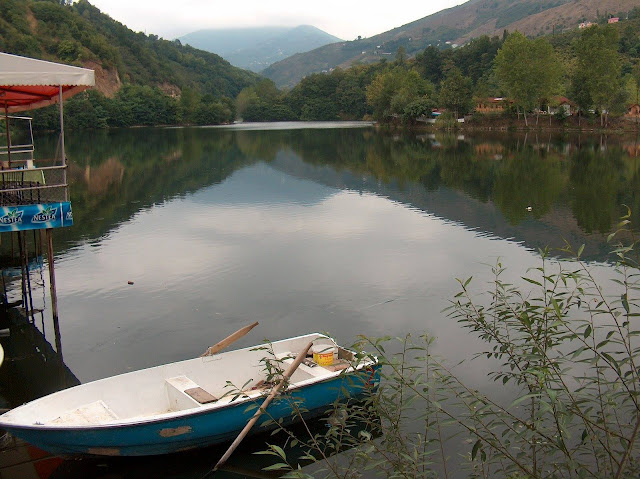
[301, 355]
[228, 340]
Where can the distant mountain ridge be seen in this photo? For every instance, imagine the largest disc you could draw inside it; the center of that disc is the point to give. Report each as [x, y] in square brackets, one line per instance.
[256, 48]
[453, 26]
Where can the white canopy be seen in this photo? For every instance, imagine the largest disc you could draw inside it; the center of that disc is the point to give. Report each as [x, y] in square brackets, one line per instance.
[27, 83]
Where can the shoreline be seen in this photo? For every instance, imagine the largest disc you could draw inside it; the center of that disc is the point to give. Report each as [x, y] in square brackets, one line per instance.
[512, 127]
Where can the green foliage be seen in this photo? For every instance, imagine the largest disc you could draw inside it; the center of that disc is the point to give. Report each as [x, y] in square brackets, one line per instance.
[420, 108]
[132, 106]
[474, 59]
[579, 91]
[455, 93]
[594, 178]
[598, 66]
[79, 33]
[563, 346]
[86, 111]
[392, 91]
[447, 120]
[529, 70]
[263, 102]
[143, 105]
[526, 181]
[429, 63]
[336, 95]
[262, 111]
[401, 55]
[15, 32]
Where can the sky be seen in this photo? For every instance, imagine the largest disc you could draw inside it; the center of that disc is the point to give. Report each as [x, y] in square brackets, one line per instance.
[346, 19]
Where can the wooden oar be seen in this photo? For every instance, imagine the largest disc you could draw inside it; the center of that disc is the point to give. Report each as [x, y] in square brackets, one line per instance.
[228, 340]
[301, 355]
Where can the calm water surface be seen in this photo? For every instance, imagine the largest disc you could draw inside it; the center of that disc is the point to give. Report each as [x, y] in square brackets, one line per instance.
[309, 227]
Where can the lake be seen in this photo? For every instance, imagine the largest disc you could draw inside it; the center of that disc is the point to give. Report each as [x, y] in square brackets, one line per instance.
[183, 235]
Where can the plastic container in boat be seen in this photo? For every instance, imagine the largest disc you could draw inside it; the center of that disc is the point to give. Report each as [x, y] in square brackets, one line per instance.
[323, 353]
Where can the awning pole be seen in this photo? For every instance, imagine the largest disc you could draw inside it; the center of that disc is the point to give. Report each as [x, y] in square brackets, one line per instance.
[6, 118]
[64, 155]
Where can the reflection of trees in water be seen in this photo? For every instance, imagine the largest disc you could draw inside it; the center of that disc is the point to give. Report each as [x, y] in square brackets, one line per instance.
[598, 182]
[115, 173]
[98, 179]
[528, 179]
[513, 172]
[130, 169]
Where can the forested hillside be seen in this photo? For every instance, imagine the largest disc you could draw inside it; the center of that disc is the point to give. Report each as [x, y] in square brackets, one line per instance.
[596, 68]
[453, 26]
[145, 80]
[129, 66]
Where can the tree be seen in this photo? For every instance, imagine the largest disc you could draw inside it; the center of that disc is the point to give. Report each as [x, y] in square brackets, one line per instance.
[392, 91]
[401, 55]
[455, 92]
[245, 99]
[580, 94]
[528, 70]
[422, 107]
[189, 101]
[351, 97]
[598, 64]
[263, 102]
[429, 63]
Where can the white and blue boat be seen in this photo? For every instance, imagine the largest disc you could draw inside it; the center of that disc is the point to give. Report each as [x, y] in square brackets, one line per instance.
[188, 404]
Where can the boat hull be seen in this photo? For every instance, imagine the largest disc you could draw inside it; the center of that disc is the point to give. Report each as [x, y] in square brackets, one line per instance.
[200, 429]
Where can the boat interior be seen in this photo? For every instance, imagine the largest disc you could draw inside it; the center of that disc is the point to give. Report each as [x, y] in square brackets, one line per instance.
[205, 382]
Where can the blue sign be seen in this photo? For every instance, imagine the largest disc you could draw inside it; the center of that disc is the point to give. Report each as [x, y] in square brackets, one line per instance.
[35, 217]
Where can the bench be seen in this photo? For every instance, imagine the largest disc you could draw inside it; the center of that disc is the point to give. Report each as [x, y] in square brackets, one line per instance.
[91, 413]
[186, 394]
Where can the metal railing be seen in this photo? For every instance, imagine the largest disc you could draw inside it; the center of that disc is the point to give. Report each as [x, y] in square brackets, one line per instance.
[23, 182]
[22, 186]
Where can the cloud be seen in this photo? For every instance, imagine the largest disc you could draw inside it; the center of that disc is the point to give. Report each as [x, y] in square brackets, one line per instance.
[343, 19]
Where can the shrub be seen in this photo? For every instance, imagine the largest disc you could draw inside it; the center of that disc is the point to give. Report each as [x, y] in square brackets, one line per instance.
[567, 346]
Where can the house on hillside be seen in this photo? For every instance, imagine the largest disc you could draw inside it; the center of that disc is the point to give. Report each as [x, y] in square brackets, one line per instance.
[585, 25]
[633, 111]
[491, 105]
[561, 104]
[614, 20]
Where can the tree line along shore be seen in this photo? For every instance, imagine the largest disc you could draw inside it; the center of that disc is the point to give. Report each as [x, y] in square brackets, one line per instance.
[587, 78]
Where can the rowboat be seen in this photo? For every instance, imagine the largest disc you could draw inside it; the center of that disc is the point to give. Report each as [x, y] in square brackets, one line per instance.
[193, 403]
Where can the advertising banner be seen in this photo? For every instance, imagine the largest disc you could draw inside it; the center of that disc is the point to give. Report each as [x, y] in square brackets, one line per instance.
[35, 217]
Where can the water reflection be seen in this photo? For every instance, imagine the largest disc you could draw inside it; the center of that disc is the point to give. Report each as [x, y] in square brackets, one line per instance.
[182, 236]
[521, 186]
[346, 230]
[32, 367]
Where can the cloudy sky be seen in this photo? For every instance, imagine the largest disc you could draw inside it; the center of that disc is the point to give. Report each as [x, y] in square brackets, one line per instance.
[343, 18]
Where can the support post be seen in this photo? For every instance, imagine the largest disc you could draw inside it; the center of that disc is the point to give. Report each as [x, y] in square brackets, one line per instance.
[6, 120]
[54, 295]
[25, 248]
[64, 154]
[23, 273]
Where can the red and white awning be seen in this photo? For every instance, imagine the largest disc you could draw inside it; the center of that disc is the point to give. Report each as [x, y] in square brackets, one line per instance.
[27, 83]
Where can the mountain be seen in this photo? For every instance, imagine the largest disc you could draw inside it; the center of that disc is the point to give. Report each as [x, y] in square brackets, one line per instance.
[256, 48]
[80, 34]
[453, 26]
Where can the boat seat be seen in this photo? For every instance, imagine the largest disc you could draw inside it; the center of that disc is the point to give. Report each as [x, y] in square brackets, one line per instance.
[90, 413]
[190, 388]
